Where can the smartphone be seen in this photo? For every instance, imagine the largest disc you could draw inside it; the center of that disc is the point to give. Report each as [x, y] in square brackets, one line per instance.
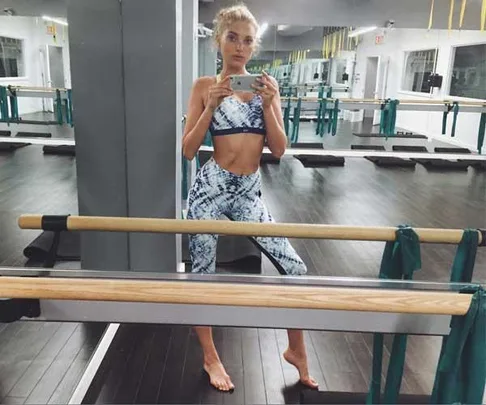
[244, 82]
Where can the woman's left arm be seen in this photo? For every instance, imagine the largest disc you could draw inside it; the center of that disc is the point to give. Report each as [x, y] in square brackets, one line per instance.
[272, 113]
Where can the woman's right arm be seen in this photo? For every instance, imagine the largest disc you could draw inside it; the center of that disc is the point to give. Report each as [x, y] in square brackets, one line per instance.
[199, 115]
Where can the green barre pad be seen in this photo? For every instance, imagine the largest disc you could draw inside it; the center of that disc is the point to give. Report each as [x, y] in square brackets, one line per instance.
[5, 133]
[8, 146]
[477, 164]
[452, 150]
[309, 145]
[368, 147]
[386, 161]
[33, 135]
[330, 397]
[397, 135]
[320, 160]
[59, 150]
[409, 148]
[269, 159]
[443, 164]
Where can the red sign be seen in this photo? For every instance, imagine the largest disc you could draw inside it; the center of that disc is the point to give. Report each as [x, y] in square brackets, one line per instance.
[379, 39]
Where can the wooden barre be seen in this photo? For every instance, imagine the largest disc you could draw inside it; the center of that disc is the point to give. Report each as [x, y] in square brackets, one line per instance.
[235, 228]
[237, 294]
[381, 101]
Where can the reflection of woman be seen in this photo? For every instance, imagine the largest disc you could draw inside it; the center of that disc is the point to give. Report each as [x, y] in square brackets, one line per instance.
[229, 183]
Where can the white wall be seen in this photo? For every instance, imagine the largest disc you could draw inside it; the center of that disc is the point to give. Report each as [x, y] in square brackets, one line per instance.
[392, 52]
[33, 31]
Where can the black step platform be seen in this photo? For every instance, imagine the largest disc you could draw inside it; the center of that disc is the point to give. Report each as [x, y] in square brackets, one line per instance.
[409, 148]
[308, 145]
[368, 147]
[9, 146]
[397, 135]
[69, 150]
[442, 164]
[385, 161]
[322, 397]
[5, 133]
[315, 161]
[33, 135]
[451, 150]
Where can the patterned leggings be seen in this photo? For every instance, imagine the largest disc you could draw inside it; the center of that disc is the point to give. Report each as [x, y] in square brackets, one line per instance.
[217, 191]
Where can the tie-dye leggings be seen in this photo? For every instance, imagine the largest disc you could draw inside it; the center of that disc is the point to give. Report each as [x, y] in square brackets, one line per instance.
[217, 191]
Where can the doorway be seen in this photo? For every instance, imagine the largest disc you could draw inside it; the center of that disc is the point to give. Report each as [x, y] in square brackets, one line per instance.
[371, 81]
[55, 67]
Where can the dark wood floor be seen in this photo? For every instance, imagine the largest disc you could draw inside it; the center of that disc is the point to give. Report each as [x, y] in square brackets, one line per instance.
[163, 364]
[40, 362]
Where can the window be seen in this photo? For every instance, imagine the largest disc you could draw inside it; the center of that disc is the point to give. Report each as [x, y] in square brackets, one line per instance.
[419, 65]
[11, 58]
[469, 72]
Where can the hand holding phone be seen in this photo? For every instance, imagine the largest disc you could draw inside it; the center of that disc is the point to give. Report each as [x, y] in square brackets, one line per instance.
[244, 82]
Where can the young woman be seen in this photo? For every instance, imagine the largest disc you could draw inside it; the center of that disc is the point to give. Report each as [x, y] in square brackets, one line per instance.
[229, 183]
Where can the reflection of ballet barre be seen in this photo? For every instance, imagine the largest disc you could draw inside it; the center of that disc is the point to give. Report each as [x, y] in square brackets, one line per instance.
[38, 92]
[405, 105]
[181, 226]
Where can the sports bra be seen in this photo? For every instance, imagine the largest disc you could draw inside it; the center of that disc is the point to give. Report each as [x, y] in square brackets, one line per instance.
[234, 116]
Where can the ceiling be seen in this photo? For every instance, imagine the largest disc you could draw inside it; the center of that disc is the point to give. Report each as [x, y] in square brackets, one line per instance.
[405, 13]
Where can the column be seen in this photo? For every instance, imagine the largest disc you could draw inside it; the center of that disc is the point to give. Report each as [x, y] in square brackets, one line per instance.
[100, 132]
[127, 101]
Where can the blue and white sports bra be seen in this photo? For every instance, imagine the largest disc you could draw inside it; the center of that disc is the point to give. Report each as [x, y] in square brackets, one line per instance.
[234, 116]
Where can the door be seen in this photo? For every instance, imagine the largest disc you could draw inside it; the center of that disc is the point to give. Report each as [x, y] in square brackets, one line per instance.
[371, 82]
[56, 67]
[381, 84]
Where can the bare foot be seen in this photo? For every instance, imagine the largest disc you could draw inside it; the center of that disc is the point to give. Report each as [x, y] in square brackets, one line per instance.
[217, 376]
[300, 363]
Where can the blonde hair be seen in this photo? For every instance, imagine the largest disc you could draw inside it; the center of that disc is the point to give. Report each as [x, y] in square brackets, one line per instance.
[229, 15]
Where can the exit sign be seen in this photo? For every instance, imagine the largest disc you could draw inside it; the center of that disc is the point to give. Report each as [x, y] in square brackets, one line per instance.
[379, 39]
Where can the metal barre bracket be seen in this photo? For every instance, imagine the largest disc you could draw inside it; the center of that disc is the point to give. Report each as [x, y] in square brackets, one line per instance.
[483, 237]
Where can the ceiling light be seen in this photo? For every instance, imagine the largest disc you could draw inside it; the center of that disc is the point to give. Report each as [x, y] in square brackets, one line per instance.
[262, 29]
[54, 20]
[362, 31]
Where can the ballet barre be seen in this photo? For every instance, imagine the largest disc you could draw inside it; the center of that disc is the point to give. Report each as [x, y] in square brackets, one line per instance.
[236, 228]
[319, 303]
[376, 104]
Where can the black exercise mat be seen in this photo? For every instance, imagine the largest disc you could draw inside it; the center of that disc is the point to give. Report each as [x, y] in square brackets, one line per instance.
[33, 135]
[315, 161]
[385, 161]
[68, 250]
[409, 148]
[9, 146]
[5, 133]
[69, 150]
[377, 135]
[451, 150]
[442, 164]
[330, 397]
[477, 164]
[234, 251]
[204, 156]
[308, 145]
[368, 147]
[269, 158]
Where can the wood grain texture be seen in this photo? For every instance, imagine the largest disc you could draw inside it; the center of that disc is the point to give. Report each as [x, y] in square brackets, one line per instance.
[304, 231]
[237, 294]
